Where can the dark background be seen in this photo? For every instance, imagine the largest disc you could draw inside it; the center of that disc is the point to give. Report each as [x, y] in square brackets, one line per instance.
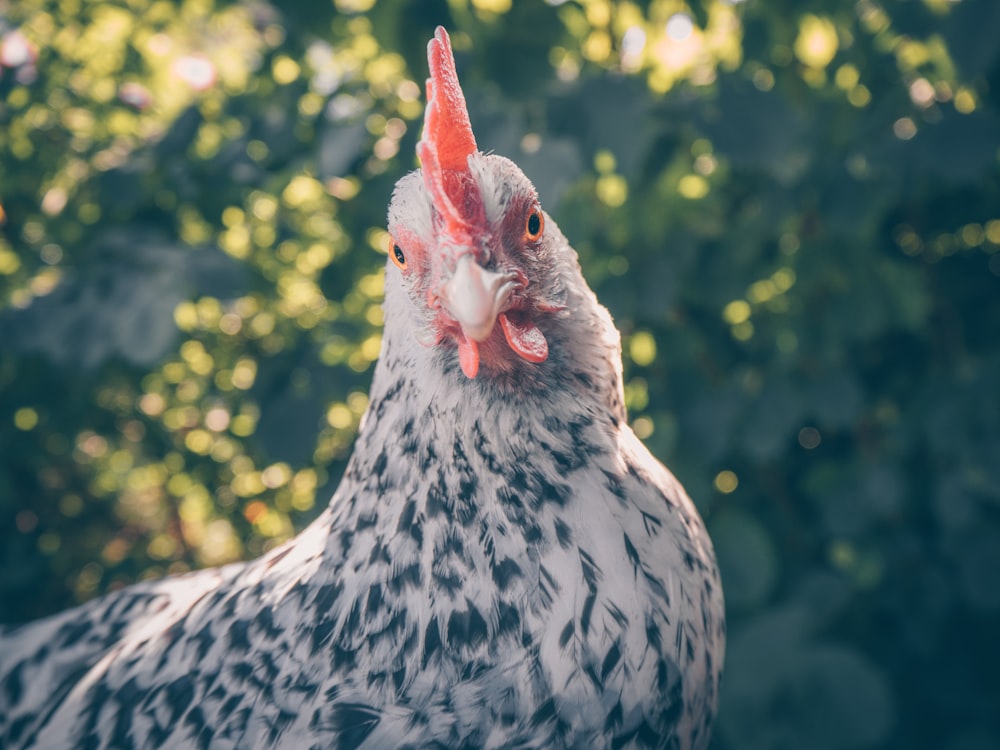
[792, 209]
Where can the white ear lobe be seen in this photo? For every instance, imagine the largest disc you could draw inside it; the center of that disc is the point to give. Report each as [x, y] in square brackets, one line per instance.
[423, 334]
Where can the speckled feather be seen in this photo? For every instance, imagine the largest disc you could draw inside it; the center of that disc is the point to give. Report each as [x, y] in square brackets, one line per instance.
[504, 565]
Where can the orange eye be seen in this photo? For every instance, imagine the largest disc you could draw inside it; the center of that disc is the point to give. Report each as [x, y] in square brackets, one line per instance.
[397, 254]
[534, 225]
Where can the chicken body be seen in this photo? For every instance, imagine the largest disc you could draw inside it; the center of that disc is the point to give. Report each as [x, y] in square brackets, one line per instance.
[503, 565]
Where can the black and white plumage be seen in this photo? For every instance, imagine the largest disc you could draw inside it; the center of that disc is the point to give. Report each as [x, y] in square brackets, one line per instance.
[504, 565]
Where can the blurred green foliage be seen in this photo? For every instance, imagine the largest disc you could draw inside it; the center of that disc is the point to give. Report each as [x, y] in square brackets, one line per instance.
[792, 208]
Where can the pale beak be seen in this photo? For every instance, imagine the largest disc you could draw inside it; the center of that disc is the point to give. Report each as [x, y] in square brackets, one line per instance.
[475, 297]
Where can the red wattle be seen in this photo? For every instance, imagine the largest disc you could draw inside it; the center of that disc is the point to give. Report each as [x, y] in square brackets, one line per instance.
[468, 356]
[525, 338]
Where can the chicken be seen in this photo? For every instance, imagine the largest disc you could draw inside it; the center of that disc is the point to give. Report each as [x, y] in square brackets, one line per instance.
[503, 565]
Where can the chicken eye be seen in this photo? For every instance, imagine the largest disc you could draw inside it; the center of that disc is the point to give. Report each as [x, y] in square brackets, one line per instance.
[397, 254]
[534, 225]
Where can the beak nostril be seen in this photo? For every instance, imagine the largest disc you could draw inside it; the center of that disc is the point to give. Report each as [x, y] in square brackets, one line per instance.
[485, 253]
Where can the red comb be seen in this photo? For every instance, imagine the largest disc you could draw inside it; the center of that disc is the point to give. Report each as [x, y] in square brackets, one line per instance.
[446, 123]
[446, 145]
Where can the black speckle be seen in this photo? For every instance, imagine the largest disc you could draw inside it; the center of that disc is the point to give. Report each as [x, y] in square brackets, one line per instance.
[649, 737]
[554, 492]
[590, 570]
[18, 726]
[614, 717]
[446, 577]
[231, 705]
[547, 583]
[411, 641]
[652, 523]
[566, 461]
[343, 658]
[563, 533]
[346, 539]
[467, 628]
[545, 713]
[437, 494]
[279, 724]
[610, 660]
[203, 639]
[617, 614]
[615, 486]
[97, 696]
[366, 520]
[632, 552]
[504, 572]
[518, 480]
[429, 456]
[588, 609]
[408, 576]
[458, 452]
[238, 635]
[533, 533]
[621, 740]
[353, 622]
[378, 406]
[668, 680]
[577, 430]
[379, 553]
[566, 634]
[432, 641]
[474, 669]
[466, 512]
[180, 693]
[229, 602]
[266, 662]
[506, 497]
[634, 472]
[264, 621]
[73, 632]
[406, 517]
[467, 485]
[450, 545]
[657, 586]
[242, 671]
[321, 633]
[12, 685]
[409, 523]
[508, 618]
[353, 722]
[481, 446]
[689, 561]
[374, 603]
[196, 720]
[392, 630]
